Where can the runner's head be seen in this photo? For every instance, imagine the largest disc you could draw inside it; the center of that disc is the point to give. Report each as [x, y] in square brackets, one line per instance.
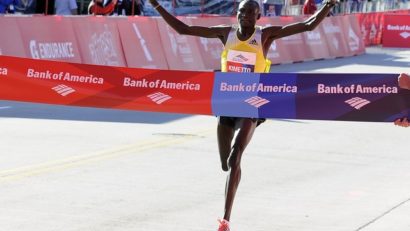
[248, 13]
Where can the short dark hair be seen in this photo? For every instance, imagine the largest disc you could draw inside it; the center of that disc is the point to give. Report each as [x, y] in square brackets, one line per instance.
[253, 2]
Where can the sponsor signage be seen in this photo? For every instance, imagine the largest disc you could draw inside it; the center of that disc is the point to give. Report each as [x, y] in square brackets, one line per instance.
[349, 97]
[280, 90]
[50, 38]
[396, 31]
[3, 71]
[167, 91]
[234, 94]
[359, 97]
[255, 95]
[104, 86]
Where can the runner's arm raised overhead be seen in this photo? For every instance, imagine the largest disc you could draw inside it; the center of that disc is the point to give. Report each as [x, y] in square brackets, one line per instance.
[275, 32]
[207, 32]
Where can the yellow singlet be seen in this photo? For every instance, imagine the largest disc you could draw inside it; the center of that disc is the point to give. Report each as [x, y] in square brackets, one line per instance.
[244, 56]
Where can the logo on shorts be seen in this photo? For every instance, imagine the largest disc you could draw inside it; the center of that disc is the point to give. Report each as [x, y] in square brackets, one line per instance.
[405, 35]
[357, 102]
[159, 97]
[257, 101]
[63, 89]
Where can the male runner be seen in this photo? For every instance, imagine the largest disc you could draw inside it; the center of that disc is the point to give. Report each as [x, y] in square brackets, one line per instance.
[252, 42]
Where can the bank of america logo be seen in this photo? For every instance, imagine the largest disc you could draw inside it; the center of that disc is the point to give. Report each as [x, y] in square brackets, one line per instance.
[159, 97]
[357, 102]
[63, 89]
[253, 42]
[405, 35]
[257, 101]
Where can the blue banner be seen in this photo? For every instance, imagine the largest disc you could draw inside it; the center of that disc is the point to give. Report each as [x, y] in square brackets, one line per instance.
[348, 97]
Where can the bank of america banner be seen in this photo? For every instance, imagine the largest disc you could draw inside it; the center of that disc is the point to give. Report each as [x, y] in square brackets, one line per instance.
[348, 97]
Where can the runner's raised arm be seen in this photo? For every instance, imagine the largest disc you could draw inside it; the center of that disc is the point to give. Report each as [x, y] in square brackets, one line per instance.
[184, 29]
[275, 32]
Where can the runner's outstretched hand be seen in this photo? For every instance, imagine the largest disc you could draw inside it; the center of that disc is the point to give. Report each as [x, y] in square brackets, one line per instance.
[404, 81]
[403, 122]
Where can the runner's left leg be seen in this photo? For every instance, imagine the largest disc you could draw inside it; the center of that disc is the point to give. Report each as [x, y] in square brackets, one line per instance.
[241, 141]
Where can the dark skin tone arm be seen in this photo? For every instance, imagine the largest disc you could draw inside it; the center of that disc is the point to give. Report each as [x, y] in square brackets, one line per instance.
[269, 34]
[247, 17]
[184, 29]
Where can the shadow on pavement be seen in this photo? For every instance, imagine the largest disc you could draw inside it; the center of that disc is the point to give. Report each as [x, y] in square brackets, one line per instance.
[12, 109]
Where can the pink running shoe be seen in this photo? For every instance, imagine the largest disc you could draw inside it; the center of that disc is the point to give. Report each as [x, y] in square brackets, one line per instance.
[223, 225]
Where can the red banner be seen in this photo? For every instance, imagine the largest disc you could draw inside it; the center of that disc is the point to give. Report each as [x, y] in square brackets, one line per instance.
[104, 86]
[396, 31]
[50, 38]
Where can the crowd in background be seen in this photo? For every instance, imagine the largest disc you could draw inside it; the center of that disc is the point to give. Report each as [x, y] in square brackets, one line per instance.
[71, 7]
[189, 7]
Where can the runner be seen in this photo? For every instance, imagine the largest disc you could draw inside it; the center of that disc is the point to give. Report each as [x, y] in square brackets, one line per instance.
[246, 46]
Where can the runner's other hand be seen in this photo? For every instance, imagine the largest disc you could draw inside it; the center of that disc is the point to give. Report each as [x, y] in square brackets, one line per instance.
[402, 122]
[404, 81]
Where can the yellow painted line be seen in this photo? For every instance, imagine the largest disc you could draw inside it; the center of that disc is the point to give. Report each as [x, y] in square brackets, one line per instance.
[59, 165]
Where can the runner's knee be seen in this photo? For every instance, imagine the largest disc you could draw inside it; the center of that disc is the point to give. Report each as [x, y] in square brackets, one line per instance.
[236, 154]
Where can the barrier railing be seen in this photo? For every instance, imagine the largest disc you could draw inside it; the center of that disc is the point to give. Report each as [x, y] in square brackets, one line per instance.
[148, 42]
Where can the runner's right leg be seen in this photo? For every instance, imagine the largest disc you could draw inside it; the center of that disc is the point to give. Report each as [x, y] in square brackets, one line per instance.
[225, 136]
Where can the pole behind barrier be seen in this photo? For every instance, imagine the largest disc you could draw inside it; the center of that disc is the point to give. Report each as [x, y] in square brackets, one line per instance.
[46, 8]
[133, 8]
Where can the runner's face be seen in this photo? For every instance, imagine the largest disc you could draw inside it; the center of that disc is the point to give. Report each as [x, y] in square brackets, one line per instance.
[248, 14]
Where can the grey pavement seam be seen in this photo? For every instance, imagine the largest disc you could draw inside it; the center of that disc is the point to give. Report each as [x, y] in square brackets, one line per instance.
[382, 215]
